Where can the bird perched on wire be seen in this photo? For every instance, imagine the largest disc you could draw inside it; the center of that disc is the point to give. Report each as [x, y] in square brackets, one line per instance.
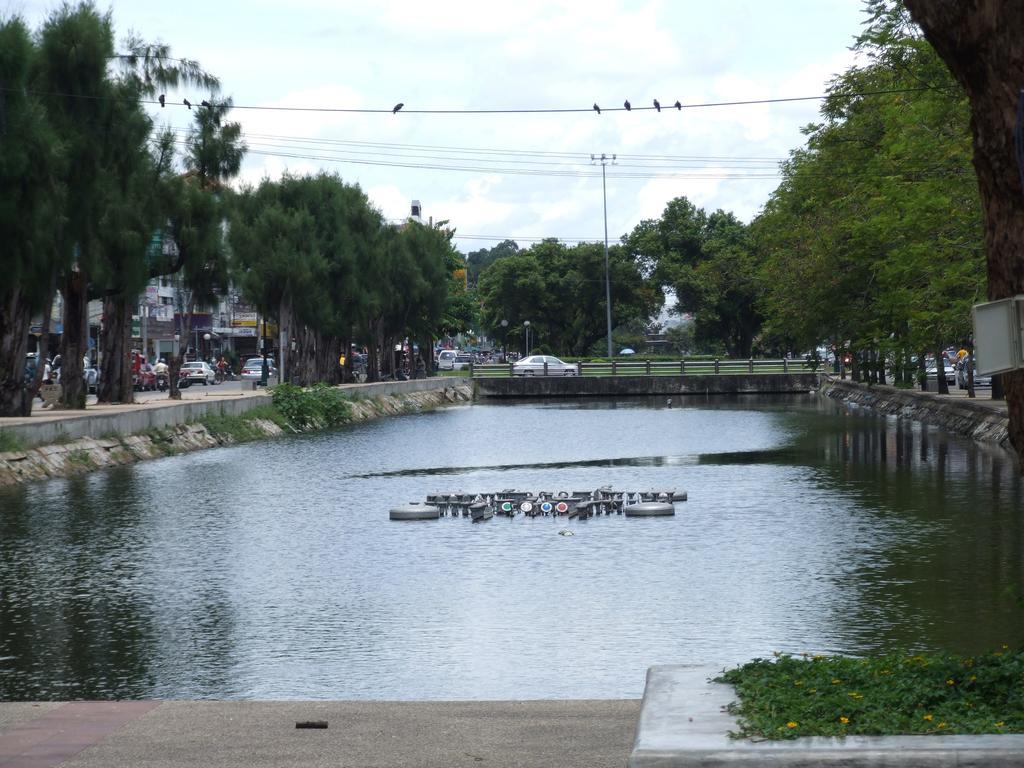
[398, 106]
[627, 105]
[187, 103]
[677, 105]
[161, 99]
[597, 108]
[204, 103]
[657, 106]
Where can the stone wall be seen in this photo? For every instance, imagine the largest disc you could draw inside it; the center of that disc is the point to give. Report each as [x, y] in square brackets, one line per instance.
[86, 454]
[978, 419]
[639, 386]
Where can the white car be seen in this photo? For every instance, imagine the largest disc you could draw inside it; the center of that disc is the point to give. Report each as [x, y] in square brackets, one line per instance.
[252, 369]
[446, 360]
[544, 365]
[198, 372]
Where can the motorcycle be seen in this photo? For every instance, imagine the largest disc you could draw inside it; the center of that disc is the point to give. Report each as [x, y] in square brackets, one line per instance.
[162, 382]
[184, 381]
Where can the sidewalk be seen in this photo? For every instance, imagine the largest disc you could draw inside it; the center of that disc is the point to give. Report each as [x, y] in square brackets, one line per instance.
[368, 734]
[145, 400]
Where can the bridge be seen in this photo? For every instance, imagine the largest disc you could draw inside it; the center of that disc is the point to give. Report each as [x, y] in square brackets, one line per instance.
[650, 377]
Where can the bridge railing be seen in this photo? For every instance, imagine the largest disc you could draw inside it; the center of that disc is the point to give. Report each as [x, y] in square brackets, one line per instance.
[719, 367]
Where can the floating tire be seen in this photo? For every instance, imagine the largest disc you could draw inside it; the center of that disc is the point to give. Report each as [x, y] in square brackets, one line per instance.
[546, 507]
[415, 512]
[561, 507]
[650, 509]
[526, 507]
[506, 506]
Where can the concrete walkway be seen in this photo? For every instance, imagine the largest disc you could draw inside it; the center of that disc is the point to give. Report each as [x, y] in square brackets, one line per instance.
[212, 734]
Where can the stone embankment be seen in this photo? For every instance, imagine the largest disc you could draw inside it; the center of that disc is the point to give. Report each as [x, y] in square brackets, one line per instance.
[85, 454]
[981, 420]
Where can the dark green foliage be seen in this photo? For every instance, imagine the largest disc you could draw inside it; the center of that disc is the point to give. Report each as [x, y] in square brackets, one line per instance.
[317, 407]
[895, 694]
[560, 289]
[710, 263]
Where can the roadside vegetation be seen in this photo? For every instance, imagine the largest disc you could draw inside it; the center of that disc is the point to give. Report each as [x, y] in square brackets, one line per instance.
[787, 697]
[318, 407]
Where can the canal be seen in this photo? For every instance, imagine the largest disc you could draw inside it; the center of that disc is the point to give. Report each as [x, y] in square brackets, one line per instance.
[271, 570]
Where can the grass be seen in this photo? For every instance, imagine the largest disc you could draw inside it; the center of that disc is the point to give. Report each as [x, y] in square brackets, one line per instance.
[883, 696]
[80, 457]
[241, 428]
[11, 442]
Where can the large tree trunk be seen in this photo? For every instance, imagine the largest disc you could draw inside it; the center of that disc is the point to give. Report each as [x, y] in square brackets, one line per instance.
[74, 340]
[15, 317]
[115, 384]
[982, 44]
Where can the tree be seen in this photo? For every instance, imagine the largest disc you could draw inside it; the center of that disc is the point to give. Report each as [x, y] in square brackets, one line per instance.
[75, 45]
[137, 169]
[981, 45]
[709, 261]
[198, 205]
[30, 193]
[477, 261]
[560, 289]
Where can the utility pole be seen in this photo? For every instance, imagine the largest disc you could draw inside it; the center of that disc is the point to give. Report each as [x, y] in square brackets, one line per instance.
[604, 160]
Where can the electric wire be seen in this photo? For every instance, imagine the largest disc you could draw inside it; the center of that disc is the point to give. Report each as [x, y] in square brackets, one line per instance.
[505, 111]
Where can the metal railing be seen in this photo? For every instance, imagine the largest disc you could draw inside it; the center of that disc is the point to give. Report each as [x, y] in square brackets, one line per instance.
[717, 367]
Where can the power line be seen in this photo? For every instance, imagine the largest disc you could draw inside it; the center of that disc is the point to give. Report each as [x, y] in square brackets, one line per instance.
[513, 111]
[710, 170]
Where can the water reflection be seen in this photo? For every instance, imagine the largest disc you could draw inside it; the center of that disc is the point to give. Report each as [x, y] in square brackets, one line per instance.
[271, 571]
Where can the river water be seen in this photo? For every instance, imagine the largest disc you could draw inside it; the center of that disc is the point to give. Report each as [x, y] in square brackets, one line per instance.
[271, 570]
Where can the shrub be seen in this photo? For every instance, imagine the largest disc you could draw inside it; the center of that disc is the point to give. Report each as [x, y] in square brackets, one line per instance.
[317, 407]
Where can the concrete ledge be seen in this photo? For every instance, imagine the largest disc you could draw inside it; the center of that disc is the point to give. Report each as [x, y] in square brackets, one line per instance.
[127, 419]
[682, 723]
[377, 389]
[618, 386]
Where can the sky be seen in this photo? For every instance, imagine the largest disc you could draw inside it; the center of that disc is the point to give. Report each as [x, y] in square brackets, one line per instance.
[511, 174]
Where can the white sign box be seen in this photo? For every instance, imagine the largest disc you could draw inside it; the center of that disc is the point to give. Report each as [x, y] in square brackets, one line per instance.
[999, 335]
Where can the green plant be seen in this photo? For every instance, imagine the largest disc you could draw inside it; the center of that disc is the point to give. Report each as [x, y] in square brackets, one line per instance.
[80, 456]
[317, 407]
[789, 697]
[242, 427]
[11, 442]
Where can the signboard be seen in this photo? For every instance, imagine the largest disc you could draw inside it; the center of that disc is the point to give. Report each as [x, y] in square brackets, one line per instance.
[244, 319]
[999, 335]
[152, 294]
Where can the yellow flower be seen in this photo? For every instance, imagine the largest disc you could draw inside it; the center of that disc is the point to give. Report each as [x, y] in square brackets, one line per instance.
[844, 720]
[928, 717]
[942, 725]
[792, 724]
[855, 695]
[951, 681]
[836, 681]
[1000, 724]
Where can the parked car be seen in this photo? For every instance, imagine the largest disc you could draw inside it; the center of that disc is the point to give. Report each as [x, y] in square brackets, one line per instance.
[534, 365]
[446, 360]
[196, 372]
[462, 360]
[932, 374]
[252, 370]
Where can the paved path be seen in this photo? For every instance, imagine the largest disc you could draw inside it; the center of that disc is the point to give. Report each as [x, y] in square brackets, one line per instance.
[212, 734]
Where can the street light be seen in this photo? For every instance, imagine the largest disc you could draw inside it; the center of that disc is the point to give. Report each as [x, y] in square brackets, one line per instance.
[607, 280]
[504, 340]
[206, 338]
[526, 325]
